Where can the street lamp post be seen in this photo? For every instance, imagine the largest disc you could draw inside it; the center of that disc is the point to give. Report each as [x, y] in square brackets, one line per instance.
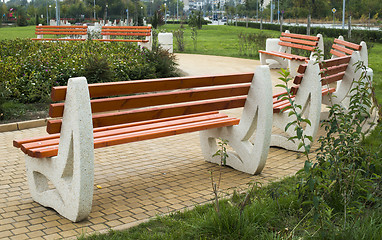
[165, 14]
[94, 15]
[343, 14]
[177, 9]
[50, 12]
[57, 13]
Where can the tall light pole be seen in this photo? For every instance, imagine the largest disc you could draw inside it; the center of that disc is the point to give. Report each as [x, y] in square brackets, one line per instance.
[58, 13]
[271, 11]
[94, 15]
[343, 14]
[177, 9]
[165, 14]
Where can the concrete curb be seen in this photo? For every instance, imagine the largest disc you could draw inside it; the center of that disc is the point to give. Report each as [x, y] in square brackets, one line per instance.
[22, 125]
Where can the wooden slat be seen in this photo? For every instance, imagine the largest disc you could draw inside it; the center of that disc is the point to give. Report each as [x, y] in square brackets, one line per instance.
[125, 34]
[28, 147]
[121, 40]
[299, 41]
[284, 55]
[334, 70]
[301, 36]
[58, 39]
[354, 46]
[332, 78]
[302, 68]
[286, 44]
[144, 135]
[126, 27]
[18, 143]
[140, 86]
[100, 120]
[337, 53]
[335, 62]
[298, 79]
[342, 49]
[157, 99]
[63, 27]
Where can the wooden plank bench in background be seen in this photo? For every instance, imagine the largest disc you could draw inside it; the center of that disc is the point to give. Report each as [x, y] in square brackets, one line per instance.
[278, 51]
[140, 34]
[311, 89]
[123, 112]
[73, 33]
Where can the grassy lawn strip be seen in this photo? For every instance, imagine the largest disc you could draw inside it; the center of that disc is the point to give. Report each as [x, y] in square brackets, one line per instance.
[274, 212]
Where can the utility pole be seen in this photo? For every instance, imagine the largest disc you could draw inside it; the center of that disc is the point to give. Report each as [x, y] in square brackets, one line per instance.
[271, 11]
[58, 12]
[343, 14]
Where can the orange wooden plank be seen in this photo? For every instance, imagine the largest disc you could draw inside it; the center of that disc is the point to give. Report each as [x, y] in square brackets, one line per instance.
[126, 27]
[125, 34]
[58, 39]
[302, 68]
[298, 79]
[286, 44]
[334, 70]
[129, 129]
[301, 36]
[337, 53]
[18, 143]
[299, 41]
[146, 100]
[342, 49]
[143, 135]
[284, 55]
[100, 120]
[332, 78]
[152, 85]
[121, 40]
[335, 61]
[354, 46]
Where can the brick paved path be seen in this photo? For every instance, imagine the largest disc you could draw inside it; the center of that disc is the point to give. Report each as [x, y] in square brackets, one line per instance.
[137, 181]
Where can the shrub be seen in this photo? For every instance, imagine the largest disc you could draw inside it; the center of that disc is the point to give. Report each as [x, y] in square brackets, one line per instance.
[29, 69]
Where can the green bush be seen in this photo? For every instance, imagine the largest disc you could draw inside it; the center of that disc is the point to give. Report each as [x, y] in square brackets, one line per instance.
[29, 69]
[365, 35]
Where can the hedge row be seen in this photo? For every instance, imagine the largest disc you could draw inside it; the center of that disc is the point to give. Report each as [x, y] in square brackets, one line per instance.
[365, 35]
[29, 69]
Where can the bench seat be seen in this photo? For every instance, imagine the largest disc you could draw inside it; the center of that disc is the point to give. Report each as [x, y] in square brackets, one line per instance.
[124, 133]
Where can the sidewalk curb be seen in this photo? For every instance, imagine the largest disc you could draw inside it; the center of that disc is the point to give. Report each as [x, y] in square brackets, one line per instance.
[22, 125]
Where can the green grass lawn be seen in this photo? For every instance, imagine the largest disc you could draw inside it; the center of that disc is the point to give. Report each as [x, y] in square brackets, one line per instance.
[214, 40]
[17, 32]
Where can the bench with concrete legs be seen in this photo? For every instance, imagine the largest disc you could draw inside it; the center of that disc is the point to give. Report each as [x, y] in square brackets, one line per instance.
[139, 34]
[311, 89]
[60, 166]
[278, 51]
[73, 33]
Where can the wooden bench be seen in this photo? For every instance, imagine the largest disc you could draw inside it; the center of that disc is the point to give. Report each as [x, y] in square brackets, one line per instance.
[278, 53]
[107, 114]
[73, 33]
[140, 34]
[311, 89]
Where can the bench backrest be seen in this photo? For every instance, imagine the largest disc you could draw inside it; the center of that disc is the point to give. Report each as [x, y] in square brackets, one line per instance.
[126, 30]
[140, 100]
[288, 41]
[61, 30]
[342, 48]
[332, 70]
